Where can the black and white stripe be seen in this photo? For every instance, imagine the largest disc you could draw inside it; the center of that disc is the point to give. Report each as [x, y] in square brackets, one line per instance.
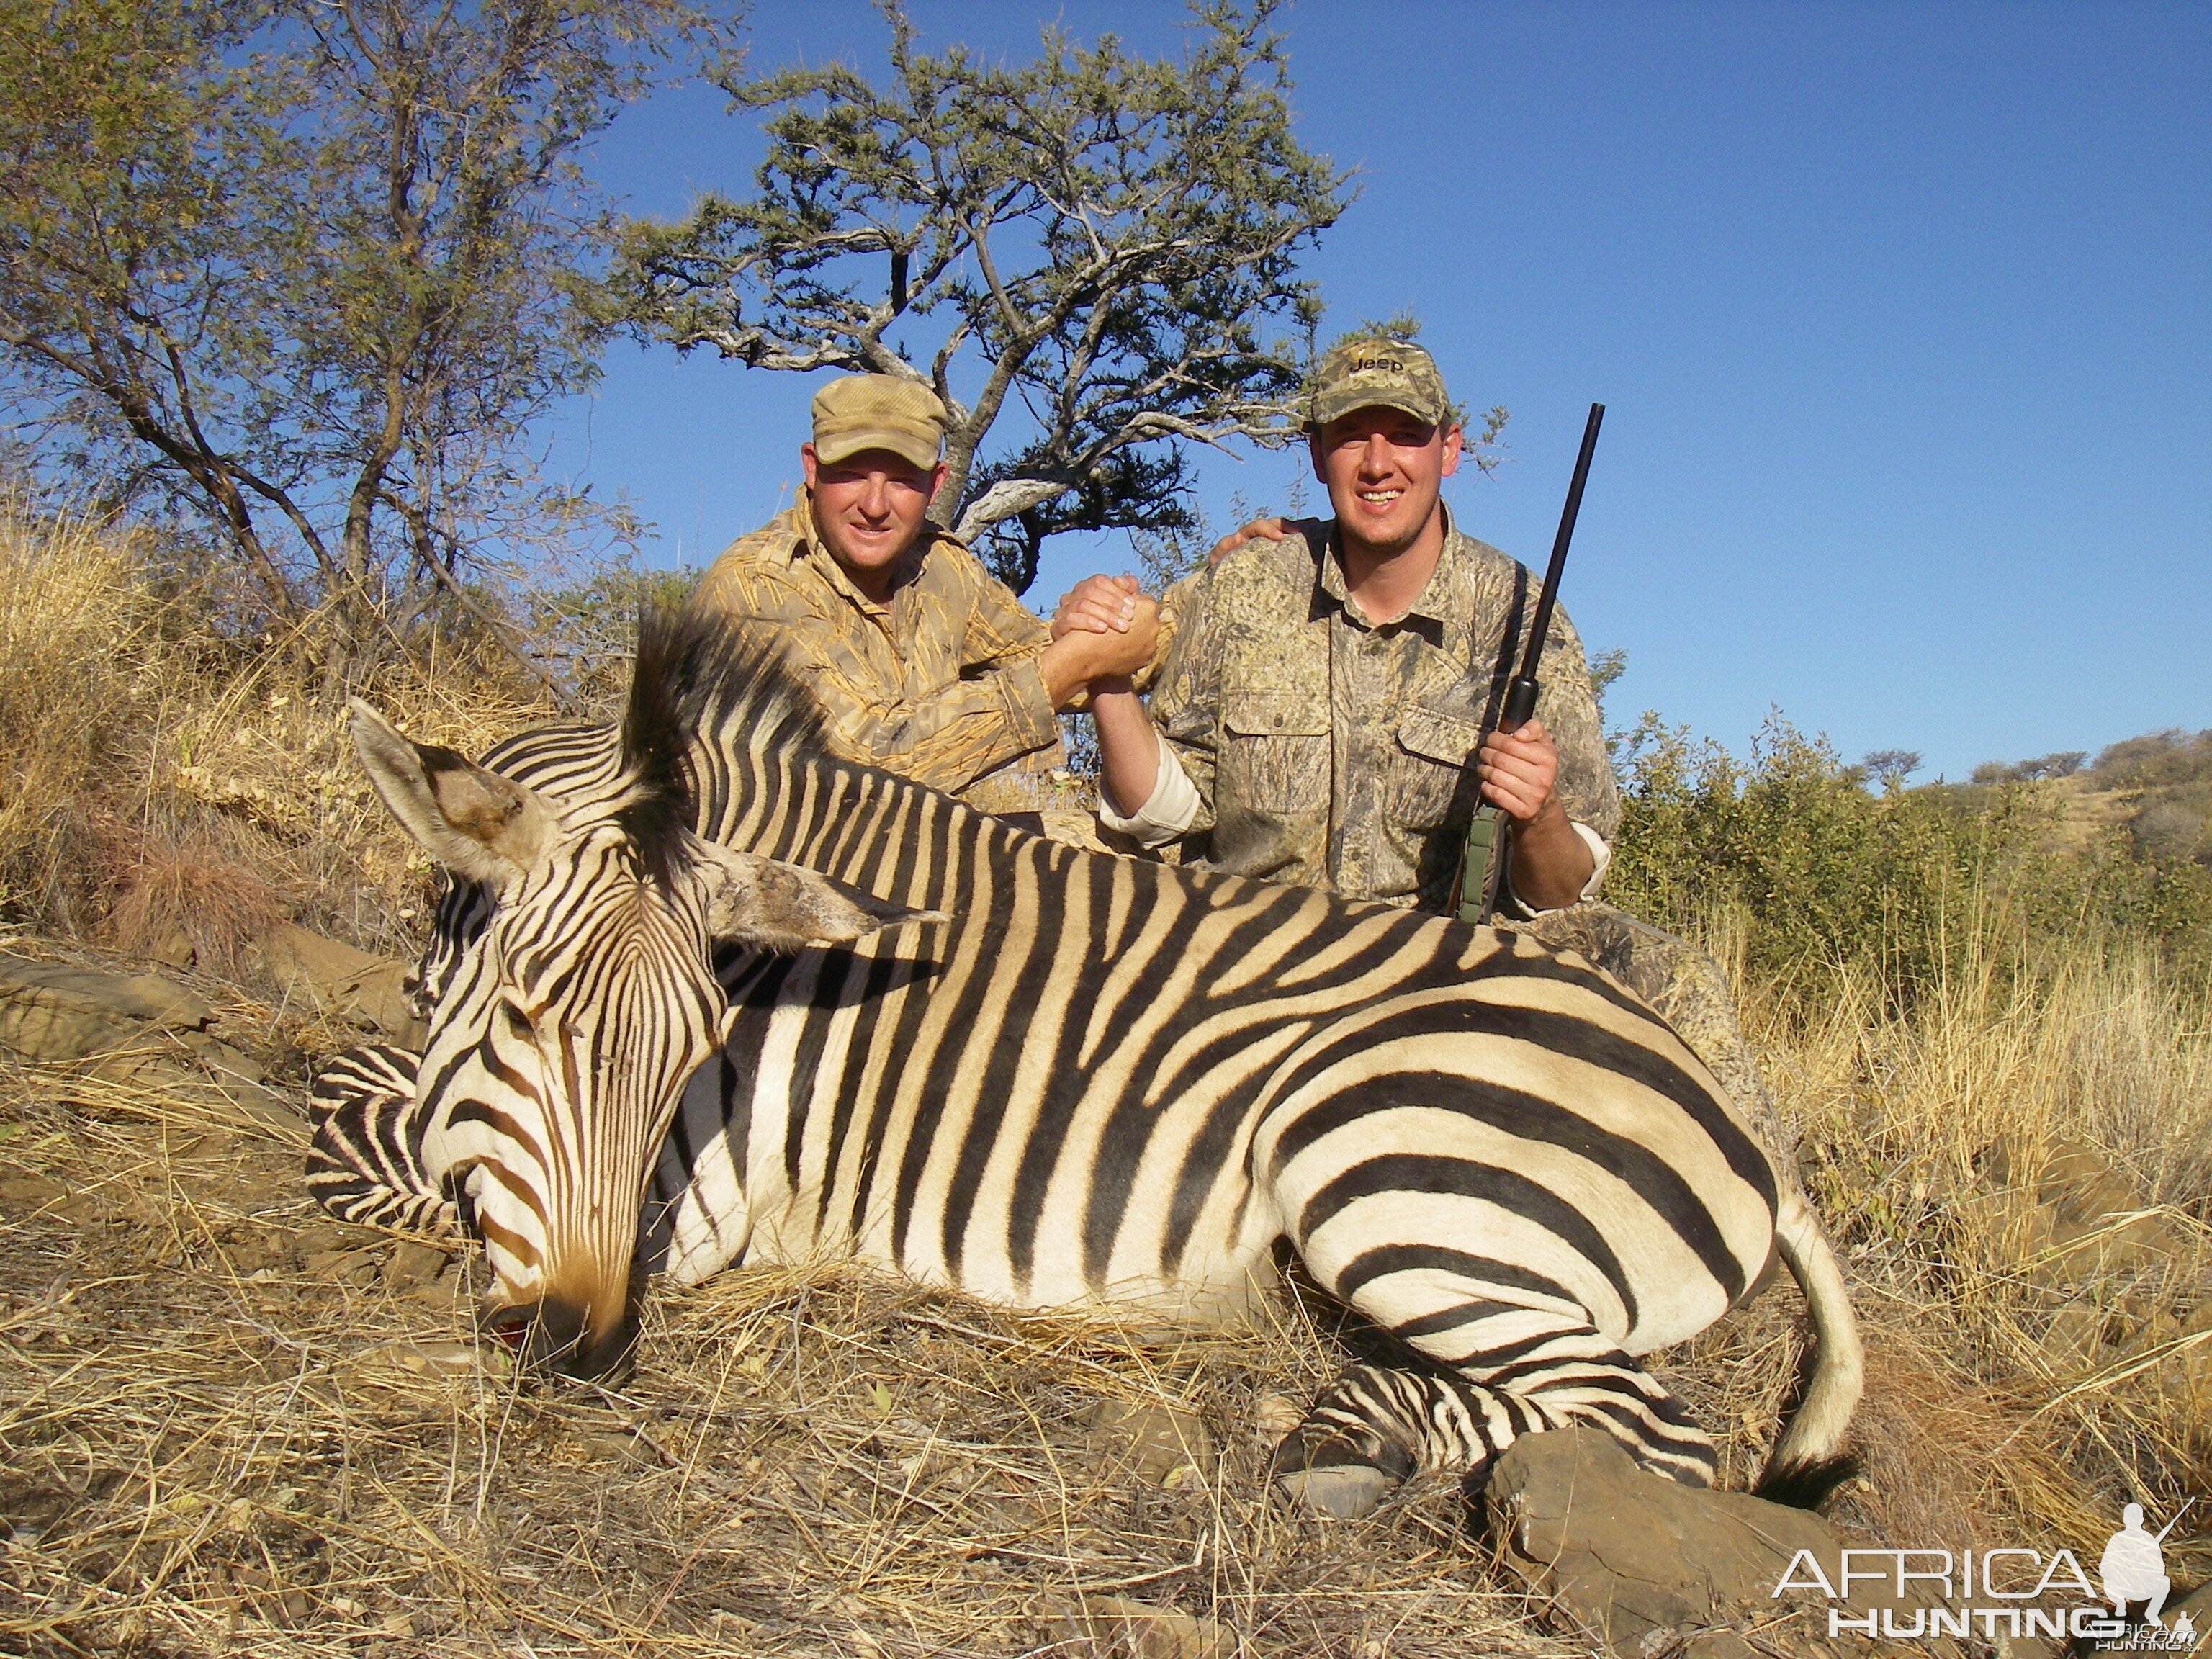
[1104, 1080]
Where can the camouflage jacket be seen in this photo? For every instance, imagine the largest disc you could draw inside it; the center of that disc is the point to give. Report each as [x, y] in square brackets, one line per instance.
[941, 685]
[1330, 751]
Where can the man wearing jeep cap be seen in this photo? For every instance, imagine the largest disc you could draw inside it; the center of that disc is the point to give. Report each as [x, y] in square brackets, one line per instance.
[1322, 693]
[925, 664]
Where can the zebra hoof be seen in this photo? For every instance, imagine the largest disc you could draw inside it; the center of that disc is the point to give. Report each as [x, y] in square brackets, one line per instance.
[1348, 1492]
[1330, 1474]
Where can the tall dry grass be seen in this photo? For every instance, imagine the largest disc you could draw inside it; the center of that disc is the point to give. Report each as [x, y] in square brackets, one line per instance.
[2018, 1168]
[171, 781]
[73, 681]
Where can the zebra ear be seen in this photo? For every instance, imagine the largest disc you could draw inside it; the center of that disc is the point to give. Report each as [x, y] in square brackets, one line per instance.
[474, 822]
[784, 907]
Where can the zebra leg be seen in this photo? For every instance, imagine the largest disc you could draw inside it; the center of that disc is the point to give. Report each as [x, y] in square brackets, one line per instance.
[365, 1163]
[1486, 1374]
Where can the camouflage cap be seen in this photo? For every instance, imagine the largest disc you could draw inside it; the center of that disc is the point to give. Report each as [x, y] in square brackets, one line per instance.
[879, 411]
[1362, 373]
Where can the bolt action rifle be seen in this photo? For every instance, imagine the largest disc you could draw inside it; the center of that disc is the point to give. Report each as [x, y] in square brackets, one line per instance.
[1488, 833]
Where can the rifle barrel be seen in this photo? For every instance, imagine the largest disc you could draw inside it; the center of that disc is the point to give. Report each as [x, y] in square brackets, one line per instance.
[1520, 695]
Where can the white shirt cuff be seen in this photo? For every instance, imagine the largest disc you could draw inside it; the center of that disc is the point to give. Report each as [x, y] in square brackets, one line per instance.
[1601, 856]
[1171, 809]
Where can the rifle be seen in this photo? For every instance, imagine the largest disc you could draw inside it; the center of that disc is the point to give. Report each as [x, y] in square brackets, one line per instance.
[1488, 835]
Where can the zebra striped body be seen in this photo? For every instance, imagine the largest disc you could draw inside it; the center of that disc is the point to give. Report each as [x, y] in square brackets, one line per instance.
[1099, 1080]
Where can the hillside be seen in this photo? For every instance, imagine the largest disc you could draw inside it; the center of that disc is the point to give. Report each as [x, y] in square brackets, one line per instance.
[229, 1424]
[2157, 789]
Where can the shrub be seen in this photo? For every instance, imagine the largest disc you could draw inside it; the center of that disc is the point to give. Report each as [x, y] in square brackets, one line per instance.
[1829, 877]
[167, 779]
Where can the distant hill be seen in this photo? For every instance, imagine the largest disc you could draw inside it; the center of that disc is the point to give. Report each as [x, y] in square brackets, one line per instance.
[2158, 787]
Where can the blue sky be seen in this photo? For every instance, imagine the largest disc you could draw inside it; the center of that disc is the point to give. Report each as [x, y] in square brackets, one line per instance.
[1902, 315]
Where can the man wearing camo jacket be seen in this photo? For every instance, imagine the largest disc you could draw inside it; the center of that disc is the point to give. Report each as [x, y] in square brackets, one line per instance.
[924, 664]
[1322, 692]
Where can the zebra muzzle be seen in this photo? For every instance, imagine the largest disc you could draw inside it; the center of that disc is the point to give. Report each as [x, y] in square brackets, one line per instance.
[556, 1337]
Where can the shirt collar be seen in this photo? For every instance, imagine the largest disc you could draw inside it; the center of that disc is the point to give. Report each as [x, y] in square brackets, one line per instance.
[1439, 595]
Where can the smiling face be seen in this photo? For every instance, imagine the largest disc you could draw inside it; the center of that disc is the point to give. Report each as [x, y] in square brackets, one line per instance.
[869, 508]
[1385, 469]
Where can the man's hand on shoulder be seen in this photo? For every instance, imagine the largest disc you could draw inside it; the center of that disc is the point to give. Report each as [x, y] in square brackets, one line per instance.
[1272, 530]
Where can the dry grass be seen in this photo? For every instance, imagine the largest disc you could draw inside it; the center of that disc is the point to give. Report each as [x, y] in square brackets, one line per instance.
[73, 635]
[2020, 1175]
[209, 1444]
[164, 776]
[225, 1426]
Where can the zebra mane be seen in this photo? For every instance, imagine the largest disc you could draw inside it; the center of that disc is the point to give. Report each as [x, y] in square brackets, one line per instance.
[700, 674]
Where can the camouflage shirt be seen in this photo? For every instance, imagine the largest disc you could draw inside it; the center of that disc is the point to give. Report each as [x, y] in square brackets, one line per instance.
[1331, 751]
[941, 685]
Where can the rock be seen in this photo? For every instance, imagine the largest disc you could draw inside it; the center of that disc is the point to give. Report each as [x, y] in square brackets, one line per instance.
[1648, 1567]
[344, 1266]
[320, 1233]
[2074, 1334]
[1274, 1416]
[2072, 1212]
[136, 1033]
[229, 1100]
[413, 1266]
[229, 1065]
[175, 949]
[52, 1015]
[1127, 1629]
[362, 989]
[1157, 1443]
[2063, 1216]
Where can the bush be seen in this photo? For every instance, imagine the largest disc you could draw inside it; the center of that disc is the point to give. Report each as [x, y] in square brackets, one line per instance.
[1830, 878]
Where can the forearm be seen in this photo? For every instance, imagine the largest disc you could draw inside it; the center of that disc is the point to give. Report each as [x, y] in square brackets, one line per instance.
[1128, 748]
[1551, 864]
[949, 739]
[1082, 660]
[1062, 666]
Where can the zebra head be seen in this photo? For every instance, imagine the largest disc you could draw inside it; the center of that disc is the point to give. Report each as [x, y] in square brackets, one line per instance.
[562, 1039]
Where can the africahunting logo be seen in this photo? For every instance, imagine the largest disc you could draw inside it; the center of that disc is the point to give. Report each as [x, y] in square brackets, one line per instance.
[2009, 1592]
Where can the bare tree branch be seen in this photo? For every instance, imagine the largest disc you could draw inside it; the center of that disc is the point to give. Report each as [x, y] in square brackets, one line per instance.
[293, 263]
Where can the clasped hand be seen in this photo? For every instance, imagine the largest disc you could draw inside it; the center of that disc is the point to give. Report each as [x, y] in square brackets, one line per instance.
[1104, 630]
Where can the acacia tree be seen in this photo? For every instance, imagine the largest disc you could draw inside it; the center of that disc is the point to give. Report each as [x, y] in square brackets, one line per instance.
[1110, 242]
[310, 269]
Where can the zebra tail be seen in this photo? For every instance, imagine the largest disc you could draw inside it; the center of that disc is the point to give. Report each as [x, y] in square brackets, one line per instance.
[1809, 1462]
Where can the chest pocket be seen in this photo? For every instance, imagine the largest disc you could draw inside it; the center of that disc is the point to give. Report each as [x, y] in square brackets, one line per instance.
[1433, 746]
[1274, 754]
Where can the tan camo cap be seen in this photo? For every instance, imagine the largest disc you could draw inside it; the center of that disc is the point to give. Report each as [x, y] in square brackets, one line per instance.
[1361, 374]
[879, 411]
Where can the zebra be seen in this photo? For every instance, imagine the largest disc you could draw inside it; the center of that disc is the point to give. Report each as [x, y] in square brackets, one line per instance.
[700, 992]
